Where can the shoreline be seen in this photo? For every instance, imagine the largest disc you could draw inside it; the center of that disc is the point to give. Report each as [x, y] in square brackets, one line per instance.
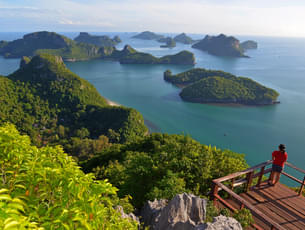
[112, 103]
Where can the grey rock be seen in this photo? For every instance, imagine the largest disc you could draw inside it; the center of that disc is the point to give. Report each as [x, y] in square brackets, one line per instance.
[183, 212]
[150, 212]
[221, 223]
[127, 216]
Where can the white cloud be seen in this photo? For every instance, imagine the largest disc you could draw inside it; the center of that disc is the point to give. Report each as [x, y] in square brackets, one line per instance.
[260, 17]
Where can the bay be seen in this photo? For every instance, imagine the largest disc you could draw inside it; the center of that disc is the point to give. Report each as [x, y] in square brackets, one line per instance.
[278, 63]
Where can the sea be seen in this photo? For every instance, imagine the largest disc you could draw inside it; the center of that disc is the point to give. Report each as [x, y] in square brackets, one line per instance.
[278, 63]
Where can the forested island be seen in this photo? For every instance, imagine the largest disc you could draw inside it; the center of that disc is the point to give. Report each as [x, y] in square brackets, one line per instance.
[212, 86]
[221, 45]
[53, 106]
[147, 35]
[183, 38]
[58, 45]
[97, 40]
[169, 42]
[249, 45]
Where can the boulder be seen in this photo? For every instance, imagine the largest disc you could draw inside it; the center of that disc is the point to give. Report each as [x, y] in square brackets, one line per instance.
[183, 212]
[221, 223]
[127, 216]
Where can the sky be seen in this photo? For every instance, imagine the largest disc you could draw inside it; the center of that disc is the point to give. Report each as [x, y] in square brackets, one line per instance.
[232, 17]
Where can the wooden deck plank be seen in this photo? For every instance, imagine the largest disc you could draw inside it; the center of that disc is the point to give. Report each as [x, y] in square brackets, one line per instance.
[285, 197]
[279, 202]
[286, 219]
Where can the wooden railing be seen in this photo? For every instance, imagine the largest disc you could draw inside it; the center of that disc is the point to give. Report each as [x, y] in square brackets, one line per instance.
[250, 174]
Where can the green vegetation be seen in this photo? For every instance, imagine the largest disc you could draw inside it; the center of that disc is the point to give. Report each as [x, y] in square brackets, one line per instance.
[210, 86]
[54, 106]
[91, 47]
[43, 188]
[147, 35]
[249, 45]
[84, 37]
[169, 42]
[183, 38]
[221, 45]
[244, 217]
[130, 56]
[162, 165]
[48, 42]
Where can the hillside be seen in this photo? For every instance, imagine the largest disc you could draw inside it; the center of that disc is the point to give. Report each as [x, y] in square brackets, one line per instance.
[44, 188]
[52, 105]
[220, 45]
[48, 42]
[211, 86]
[97, 40]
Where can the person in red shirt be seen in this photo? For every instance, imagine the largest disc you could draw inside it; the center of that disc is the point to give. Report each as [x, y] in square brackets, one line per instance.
[279, 158]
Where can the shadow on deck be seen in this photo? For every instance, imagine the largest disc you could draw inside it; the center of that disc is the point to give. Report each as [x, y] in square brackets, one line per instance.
[273, 207]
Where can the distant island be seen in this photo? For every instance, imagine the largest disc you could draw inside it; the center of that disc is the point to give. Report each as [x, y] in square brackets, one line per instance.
[130, 56]
[183, 38]
[147, 35]
[97, 40]
[169, 42]
[249, 45]
[212, 86]
[221, 45]
[58, 45]
[48, 42]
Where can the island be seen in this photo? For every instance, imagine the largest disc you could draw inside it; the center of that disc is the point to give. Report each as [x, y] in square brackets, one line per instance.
[183, 38]
[131, 56]
[147, 35]
[249, 45]
[221, 45]
[97, 40]
[48, 42]
[169, 42]
[213, 86]
[52, 43]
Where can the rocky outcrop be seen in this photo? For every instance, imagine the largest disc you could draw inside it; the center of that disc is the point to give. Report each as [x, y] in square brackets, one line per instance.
[221, 223]
[127, 216]
[221, 45]
[183, 212]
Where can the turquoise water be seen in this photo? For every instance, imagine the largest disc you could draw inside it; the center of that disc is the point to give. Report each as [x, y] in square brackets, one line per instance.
[255, 131]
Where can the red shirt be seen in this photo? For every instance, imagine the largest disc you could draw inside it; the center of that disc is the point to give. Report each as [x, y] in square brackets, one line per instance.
[280, 158]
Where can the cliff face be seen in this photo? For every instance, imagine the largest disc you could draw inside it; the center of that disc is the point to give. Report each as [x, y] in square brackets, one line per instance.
[220, 45]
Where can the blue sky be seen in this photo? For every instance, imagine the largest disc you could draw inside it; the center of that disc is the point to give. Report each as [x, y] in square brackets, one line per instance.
[236, 17]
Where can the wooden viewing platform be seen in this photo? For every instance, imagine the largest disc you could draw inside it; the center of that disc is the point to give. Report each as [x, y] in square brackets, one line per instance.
[272, 207]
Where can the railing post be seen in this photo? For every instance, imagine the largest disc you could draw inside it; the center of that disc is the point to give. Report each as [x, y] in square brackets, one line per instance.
[302, 186]
[249, 180]
[261, 174]
[214, 193]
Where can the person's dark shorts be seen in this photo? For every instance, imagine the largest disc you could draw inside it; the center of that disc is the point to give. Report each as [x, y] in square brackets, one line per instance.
[277, 168]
